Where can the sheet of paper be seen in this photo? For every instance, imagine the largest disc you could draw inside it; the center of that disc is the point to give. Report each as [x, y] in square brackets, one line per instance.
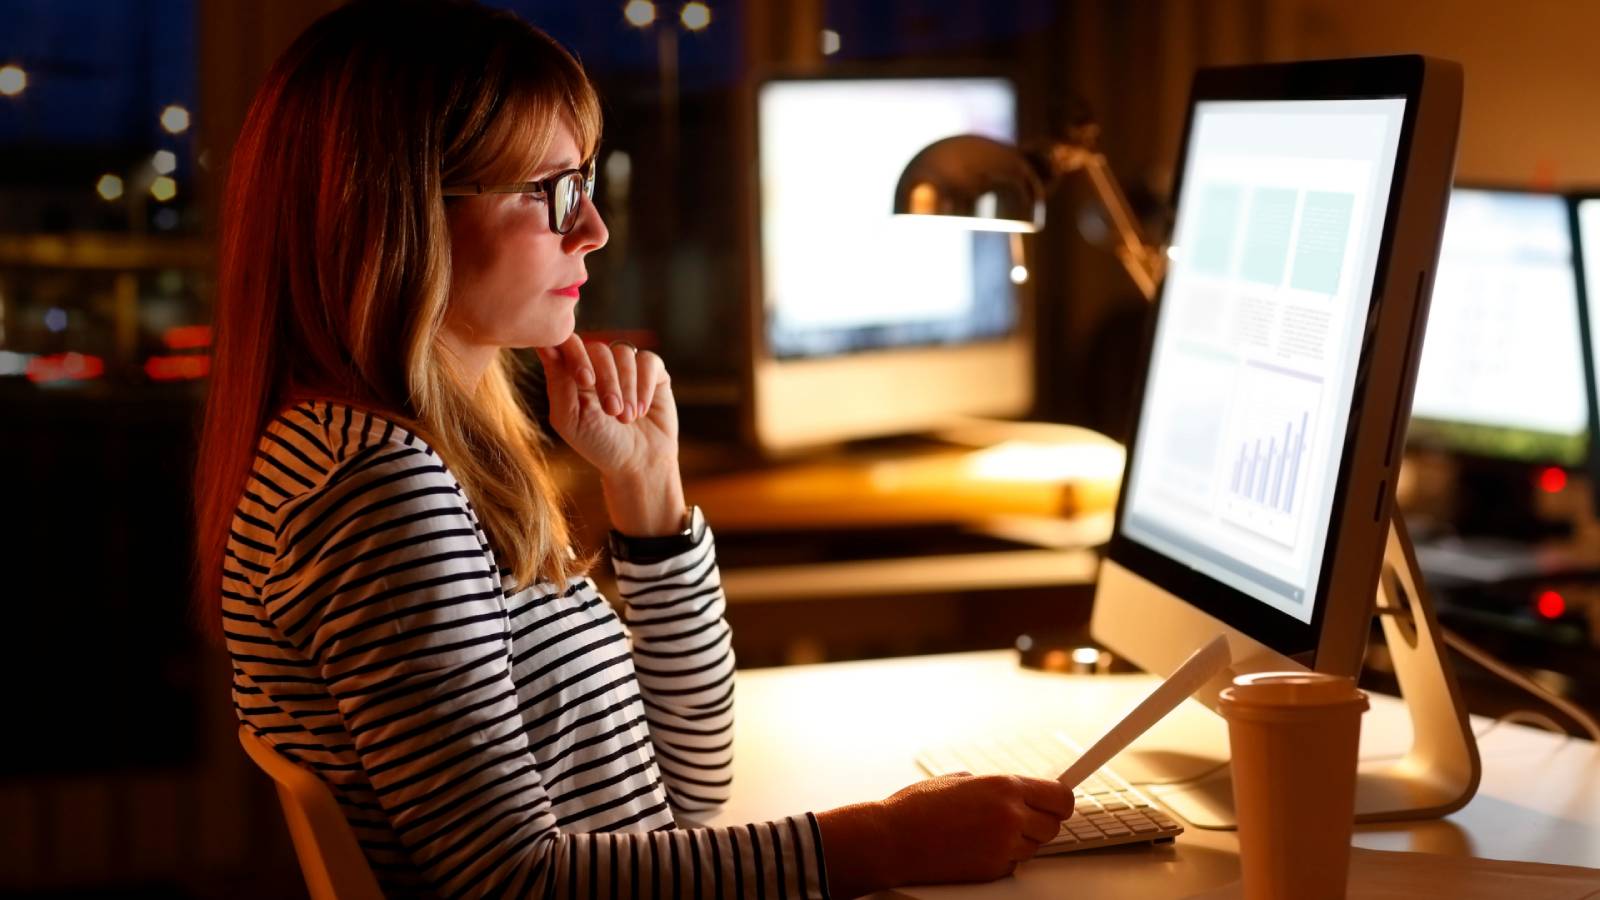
[1386, 875]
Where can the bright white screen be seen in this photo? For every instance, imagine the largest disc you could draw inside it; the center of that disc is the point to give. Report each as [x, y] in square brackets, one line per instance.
[1502, 346]
[1250, 384]
[839, 271]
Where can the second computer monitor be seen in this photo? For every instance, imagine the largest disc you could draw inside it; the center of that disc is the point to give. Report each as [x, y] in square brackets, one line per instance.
[864, 323]
[1584, 211]
[1502, 372]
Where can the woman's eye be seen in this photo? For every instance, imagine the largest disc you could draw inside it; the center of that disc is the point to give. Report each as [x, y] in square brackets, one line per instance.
[533, 196]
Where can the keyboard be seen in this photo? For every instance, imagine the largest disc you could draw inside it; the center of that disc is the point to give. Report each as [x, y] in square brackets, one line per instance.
[1110, 811]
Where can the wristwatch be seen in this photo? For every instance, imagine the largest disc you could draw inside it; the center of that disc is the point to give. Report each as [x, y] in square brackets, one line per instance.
[654, 549]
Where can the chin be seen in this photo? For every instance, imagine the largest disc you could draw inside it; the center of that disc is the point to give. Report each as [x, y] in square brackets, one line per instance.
[547, 335]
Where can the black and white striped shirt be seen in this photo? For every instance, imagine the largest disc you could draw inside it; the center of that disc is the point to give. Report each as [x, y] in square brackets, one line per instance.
[482, 741]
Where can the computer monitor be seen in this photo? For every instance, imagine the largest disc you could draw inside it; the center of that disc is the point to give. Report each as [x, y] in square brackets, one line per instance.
[1584, 210]
[1502, 374]
[865, 324]
[1258, 494]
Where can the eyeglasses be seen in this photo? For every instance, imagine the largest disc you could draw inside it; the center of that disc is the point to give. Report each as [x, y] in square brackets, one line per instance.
[561, 193]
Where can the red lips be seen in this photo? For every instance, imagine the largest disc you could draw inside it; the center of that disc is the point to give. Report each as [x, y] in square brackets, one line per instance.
[570, 290]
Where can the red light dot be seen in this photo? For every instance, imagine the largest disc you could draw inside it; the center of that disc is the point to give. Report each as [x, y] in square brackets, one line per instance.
[1551, 605]
[187, 337]
[1552, 480]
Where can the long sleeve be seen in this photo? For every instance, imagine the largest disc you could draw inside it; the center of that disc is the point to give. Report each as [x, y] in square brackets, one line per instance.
[497, 742]
[683, 653]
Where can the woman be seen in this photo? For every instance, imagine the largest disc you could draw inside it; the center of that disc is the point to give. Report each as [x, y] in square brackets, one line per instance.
[408, 201]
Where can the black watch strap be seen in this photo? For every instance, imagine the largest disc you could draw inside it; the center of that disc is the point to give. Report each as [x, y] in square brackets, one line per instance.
[645, 550]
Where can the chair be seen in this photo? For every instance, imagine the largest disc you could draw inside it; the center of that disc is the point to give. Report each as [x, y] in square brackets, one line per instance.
[331, 860]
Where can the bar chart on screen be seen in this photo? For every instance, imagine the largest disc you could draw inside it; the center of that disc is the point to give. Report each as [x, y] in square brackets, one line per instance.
[1262, 482]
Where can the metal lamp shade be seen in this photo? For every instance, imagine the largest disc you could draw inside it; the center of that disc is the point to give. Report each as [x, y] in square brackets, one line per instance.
[983, 183]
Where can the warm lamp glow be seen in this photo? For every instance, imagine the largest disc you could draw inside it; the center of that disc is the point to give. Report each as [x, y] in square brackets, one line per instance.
[165, 162]
[163, 189]
[1048, 463]
[830, 42]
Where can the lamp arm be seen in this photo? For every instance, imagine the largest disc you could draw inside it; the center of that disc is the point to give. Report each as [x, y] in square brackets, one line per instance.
[1144, 263]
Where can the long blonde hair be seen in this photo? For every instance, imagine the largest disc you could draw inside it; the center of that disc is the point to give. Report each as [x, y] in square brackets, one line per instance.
[334, 265]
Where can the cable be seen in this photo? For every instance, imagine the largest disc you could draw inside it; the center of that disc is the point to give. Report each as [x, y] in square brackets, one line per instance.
[1531, 717]
[1484, 658]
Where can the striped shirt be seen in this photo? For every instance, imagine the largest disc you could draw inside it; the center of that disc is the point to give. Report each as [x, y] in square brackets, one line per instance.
[485, 741]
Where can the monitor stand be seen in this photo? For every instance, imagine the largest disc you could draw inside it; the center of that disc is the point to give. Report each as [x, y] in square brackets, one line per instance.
[1440, 772]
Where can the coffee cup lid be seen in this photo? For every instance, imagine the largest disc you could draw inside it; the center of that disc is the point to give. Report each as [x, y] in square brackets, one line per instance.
[1292, 689]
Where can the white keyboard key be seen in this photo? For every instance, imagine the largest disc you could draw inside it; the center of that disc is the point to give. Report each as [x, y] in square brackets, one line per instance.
[1108, 810]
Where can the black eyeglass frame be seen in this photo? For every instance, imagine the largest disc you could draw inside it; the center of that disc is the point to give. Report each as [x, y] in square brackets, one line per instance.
[545, 186]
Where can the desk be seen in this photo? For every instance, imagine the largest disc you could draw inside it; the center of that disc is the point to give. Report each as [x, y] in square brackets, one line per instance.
[815, 737]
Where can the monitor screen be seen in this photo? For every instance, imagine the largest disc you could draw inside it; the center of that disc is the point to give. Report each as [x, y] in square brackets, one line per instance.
[1502, 362]
[1252, 371]
[840, 273]
[1588, 215]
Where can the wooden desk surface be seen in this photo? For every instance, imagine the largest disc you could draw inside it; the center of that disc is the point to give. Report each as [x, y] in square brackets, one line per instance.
[915, 484]
[815, 737]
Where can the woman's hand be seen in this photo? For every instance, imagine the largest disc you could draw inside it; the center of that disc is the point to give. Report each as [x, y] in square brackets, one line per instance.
[613, 405]
[954, 828]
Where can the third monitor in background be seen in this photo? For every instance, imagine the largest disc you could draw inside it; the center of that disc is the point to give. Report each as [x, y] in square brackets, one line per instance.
[1501, 389]
[1585, 210]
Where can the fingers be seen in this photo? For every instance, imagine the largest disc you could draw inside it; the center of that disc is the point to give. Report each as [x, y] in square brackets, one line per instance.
[1039, 827]
[559, 384]
[605, 377]
[625, 381]
[652, 376]
[625, 356]
[1047, 796]
[576, 360]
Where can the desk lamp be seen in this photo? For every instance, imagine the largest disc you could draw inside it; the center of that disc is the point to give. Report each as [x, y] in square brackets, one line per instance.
[988, 185]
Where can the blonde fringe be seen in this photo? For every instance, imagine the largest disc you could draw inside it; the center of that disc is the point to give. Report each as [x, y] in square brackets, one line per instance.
[493, 447]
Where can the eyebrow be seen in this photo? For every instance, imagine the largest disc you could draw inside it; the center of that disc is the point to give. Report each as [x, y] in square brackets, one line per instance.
[562, 166]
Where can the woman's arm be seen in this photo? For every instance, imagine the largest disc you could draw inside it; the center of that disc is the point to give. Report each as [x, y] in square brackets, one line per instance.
[395, 604]
[683, 655]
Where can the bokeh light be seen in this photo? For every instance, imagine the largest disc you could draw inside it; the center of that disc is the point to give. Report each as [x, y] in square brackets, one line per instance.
[175, 119]
[109, 187]
[13, 80]
[639, 13]
[695, 15]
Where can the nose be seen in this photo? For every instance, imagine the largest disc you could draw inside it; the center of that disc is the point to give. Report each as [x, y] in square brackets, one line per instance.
[590, 234]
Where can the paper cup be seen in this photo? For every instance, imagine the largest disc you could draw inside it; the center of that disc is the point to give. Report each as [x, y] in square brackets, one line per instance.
[1294, 737]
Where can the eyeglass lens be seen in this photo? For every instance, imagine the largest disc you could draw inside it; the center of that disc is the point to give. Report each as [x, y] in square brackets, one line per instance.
[569, 199]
